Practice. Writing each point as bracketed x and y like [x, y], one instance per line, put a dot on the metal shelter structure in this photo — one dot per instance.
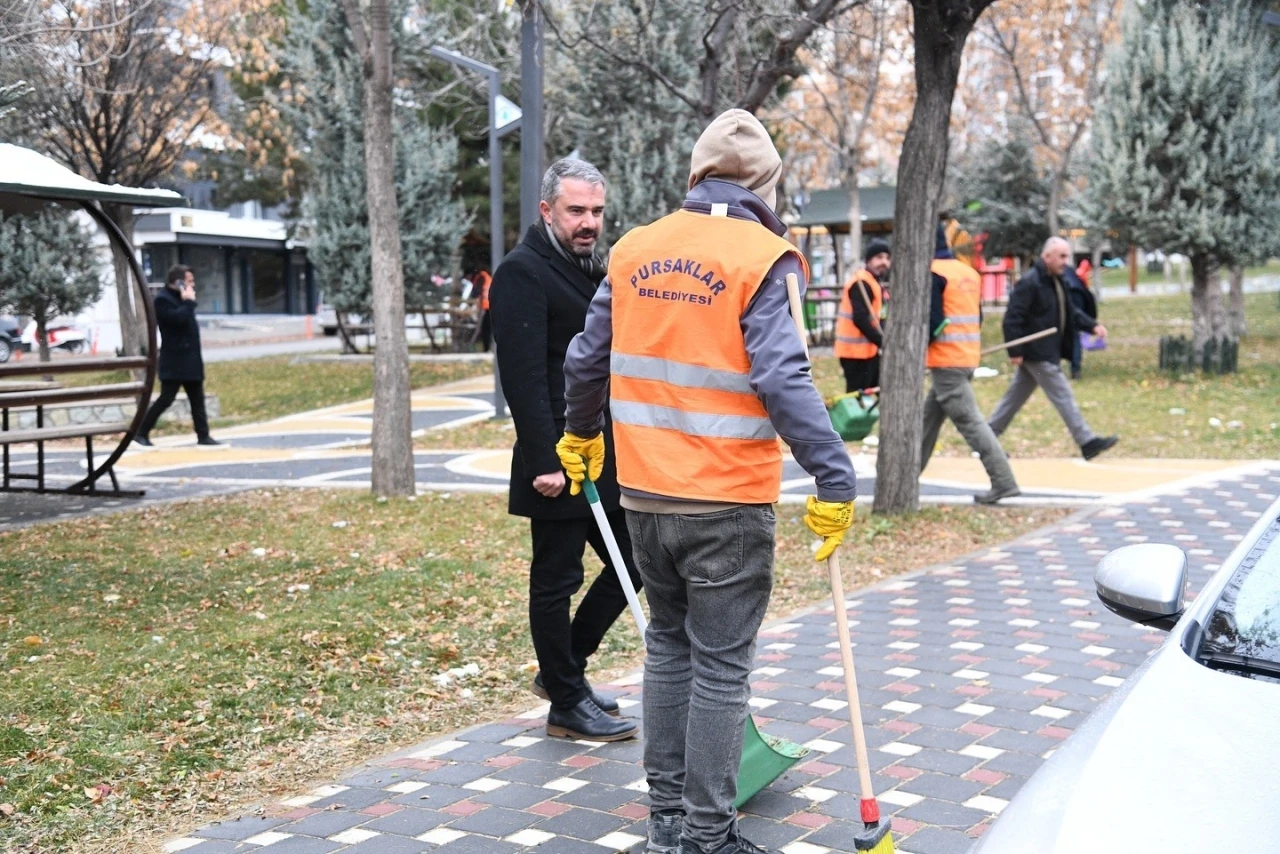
[29, 181]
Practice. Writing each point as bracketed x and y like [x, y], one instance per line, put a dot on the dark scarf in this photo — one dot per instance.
[592, 265]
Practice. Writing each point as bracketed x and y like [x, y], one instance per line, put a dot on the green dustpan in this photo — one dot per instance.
[765, 758]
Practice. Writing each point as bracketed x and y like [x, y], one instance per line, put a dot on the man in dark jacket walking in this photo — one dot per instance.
[181, 365]
[1039, 301]
[538, 302]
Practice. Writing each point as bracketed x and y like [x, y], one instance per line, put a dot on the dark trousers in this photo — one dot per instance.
[563, 645]
[861, 373]
[168, 392]
[486, 331]
[1077, 356]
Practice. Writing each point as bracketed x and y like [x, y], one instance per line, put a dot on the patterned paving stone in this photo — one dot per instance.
[969, 673]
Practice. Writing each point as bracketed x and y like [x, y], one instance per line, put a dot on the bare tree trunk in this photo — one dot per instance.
[1055, 201]
[921, 172]
[1208, 315]
[131, 333]
[855, 222]
[1235, 306]
[42, 338]
[393, 472]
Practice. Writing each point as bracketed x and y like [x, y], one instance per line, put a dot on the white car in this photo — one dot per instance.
[1184, 758]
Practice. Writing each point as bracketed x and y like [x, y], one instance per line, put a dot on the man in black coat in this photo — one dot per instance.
[538, 302]
[1039, 301]
[181, 365]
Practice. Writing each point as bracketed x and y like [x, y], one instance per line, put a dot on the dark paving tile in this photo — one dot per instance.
[409, 822]
[237, 829]
[385, 845]
[326, 823]
[935, 840]
[497, 821]
[297, 845]
[583, 824]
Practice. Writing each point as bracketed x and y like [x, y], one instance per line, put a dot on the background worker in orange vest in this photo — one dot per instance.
[481, 279]
[858, 322]
[690, 343]
[955, 339]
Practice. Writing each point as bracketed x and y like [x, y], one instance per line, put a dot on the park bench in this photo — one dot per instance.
[25, 397]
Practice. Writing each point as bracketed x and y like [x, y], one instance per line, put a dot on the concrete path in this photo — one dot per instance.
[971, 674]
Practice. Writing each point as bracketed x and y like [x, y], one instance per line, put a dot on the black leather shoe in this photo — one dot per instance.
[208, 440]
[141, 439]
[586, 721]
[995, 494]
[1097, 445]
[608, 705]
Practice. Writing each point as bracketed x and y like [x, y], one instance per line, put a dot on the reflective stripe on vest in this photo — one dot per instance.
[686, 422]
[960, 341]
[678, 373]
[693, 423]
[850, 342]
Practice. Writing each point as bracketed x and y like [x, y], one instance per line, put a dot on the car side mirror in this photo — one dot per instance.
[1145, 583]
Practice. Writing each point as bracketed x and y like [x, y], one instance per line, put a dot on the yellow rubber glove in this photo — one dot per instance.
[829, 520]
[572, 451]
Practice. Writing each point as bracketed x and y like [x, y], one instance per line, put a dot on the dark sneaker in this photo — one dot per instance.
[608, 705]
[141, 439]
[997, 493]
[735, 844]
[208, 440]
[1097, 445]
[664, 832]
[585, 721]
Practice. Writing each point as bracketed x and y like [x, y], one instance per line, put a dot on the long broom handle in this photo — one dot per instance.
[615, 554]
[869, 809]
[850, 678]
[1034, 336]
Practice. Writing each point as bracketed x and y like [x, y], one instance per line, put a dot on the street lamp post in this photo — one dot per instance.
[531, 104]
[497, 243]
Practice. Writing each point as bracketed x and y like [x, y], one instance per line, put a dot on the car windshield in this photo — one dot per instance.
[1243, 632]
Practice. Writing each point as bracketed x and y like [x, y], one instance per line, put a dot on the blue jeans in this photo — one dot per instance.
[708, 578]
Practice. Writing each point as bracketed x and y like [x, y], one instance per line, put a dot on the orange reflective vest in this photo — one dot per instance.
[686, 422]
[850, 342]
[483, 279]
[961, 339]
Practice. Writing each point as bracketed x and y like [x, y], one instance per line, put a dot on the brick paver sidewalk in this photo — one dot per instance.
[970, 675]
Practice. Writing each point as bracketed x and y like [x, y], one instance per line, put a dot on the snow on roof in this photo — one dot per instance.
[27, 173]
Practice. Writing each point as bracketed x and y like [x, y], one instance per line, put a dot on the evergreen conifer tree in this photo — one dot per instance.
[325, 76]
[1185, 154]
[48, 268]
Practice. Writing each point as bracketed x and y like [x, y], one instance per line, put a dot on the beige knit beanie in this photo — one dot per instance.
[736, 148]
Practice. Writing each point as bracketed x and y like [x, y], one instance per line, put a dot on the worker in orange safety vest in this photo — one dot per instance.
[955, 342]
[859, 321]
[690, 343]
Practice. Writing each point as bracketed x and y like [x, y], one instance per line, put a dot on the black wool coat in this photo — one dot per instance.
[538, 301]
[180, 357]
[1033, 306]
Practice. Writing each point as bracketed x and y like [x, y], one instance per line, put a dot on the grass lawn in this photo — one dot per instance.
[167, 667]
[1120, 276]
[261, 389]
[1122, 391]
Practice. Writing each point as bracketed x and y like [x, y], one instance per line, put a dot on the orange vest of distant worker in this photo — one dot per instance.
[850, 342]
[686, 422]
[961, 339]
[483, 279]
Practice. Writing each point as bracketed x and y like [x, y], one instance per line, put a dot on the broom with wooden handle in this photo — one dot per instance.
[874, 836]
